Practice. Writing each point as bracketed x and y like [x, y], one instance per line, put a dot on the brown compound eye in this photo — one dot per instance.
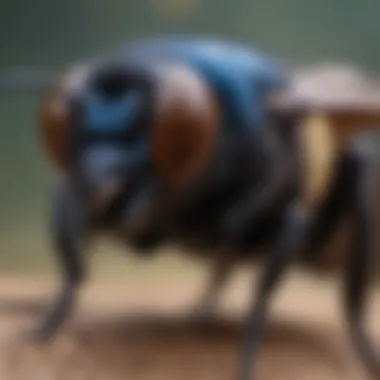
[54, 117]
[186, 122]
[55, 128]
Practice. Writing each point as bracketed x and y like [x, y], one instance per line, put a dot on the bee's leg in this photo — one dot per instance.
[220, 271]
[361, 259]
[68, 226]
[141, 222]
[285, 250]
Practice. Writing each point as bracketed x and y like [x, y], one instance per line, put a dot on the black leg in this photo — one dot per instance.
[361, 260]
[218, 276]
[141, 221]
[68, 226]
[287, 245]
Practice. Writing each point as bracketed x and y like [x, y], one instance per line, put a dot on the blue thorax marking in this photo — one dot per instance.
[241, 75]
[110, 114]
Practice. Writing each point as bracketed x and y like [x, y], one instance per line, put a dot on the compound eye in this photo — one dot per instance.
[55, 128]
[54, 116]
[185, 127]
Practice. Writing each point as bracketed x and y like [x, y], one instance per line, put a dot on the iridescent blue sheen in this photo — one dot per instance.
[109, 114]
[240, 75]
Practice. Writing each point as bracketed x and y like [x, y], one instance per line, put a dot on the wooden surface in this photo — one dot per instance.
[140, 330]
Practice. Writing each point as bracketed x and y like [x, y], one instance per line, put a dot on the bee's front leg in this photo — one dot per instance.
[68, 228]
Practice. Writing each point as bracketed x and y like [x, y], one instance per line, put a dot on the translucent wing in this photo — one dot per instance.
[347, 95]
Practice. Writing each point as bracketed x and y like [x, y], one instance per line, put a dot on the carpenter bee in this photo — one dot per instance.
[211, 145]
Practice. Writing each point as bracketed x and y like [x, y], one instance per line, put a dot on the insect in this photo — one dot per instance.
[211, 145]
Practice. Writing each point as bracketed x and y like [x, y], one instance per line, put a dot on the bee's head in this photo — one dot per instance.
[96, 129]
[118, 126]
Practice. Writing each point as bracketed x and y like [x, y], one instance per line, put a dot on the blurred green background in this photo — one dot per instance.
[53, 33]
